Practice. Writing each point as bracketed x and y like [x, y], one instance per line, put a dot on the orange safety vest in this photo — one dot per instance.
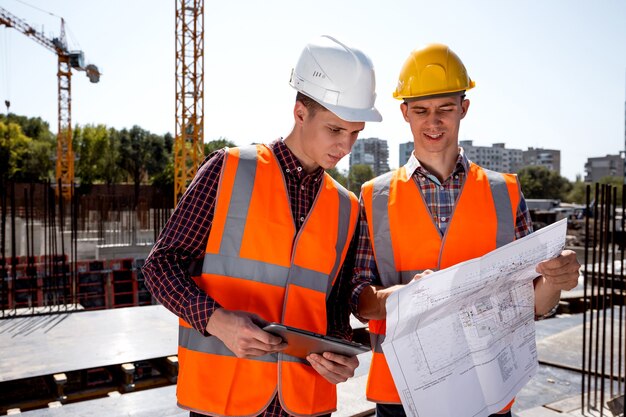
[406, 240]
[256, 262]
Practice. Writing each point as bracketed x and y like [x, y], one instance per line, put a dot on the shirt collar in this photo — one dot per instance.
[413, 165]
[290, 164]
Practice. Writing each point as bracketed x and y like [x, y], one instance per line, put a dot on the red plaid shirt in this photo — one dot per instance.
[184, 238]
[440, 199]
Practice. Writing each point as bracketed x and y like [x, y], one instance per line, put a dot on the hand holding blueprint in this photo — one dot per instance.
[461, 341]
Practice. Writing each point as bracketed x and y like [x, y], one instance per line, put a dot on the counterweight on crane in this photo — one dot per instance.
[188, 145]
[67, 60]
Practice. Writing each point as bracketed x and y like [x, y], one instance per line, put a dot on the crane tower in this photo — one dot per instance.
[188, 144]
[67, 60]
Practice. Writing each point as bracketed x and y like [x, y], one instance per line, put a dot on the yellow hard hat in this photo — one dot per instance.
[432, 70]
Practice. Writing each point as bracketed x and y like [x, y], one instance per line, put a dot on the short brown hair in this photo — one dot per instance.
[311, 105]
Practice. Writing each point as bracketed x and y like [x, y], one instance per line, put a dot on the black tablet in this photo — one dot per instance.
[302, 342]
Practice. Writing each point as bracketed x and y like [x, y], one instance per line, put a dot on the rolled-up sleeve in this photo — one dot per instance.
[365, 271]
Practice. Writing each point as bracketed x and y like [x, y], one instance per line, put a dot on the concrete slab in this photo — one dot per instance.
[44, 345]
[538, 412]
[564, 349]
[149, 403]
[351, 400]
[162, 402]
[547, 386]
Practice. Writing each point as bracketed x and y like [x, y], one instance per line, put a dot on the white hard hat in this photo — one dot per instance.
[339, 78]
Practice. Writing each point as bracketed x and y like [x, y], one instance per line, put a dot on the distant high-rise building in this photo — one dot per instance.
[495, 157]
[405, 152]
[604, 166]
[373, 152]
[549, 158]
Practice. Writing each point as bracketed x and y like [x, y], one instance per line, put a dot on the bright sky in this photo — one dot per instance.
[548, 74]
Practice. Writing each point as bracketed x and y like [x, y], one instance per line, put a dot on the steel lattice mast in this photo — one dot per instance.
[189, 141]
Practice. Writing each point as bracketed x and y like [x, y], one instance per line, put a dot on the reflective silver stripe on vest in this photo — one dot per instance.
[382, 231]
[245, 268]
[239, 202]
[343, 230]
[306, 278]
[504, 212]
[288, 358]
[407, 276]
[191, 339]
[264, 272]
[376, 341]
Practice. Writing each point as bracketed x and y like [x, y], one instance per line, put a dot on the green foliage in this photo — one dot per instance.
[164, 180]
[104, 155]
[617, 182]
[578, 191]
[168, 140]
[110, 173]
[540, 182]
[94, 150]
[358, 175]
[21, 157]
[142, 154]
[32, 127]
[217, 144]
[339, 176]
[577, 194]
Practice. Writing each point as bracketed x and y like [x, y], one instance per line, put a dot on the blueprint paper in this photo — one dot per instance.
[461, 341]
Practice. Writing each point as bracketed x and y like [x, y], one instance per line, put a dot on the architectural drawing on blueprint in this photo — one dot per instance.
[467, 332]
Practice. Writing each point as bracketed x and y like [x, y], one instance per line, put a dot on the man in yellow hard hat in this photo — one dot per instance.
[269, 231]
[436, 211]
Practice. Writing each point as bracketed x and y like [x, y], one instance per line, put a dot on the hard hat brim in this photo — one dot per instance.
[354, 115]
[431, 96]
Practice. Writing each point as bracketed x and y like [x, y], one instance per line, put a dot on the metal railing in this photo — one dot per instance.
[604, 350]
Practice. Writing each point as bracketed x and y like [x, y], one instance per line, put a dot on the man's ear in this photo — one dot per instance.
[404, 108]
[464, 107]
[299, 112]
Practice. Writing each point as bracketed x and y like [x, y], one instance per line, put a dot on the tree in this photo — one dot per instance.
[578, 192]
[214, 145]
[142, 154]
[617, 182]
[540, 182]
[164, 180]
[340, 177]
[92, 146]
[357, 175]
[34, 128]
[111, 173]
[21, 157]
[168, 139]
[37, 165]
[5, 151]
[158, 156]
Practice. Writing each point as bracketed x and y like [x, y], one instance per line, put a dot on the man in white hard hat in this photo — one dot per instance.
[272, 231]
[434, 212]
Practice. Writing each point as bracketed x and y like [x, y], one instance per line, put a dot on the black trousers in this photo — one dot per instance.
[396, 410]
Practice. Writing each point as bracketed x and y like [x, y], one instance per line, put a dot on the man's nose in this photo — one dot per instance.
[433, 119]
[345, 143]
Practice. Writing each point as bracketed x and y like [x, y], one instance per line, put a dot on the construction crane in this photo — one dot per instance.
[67, 60]
[189, 141]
